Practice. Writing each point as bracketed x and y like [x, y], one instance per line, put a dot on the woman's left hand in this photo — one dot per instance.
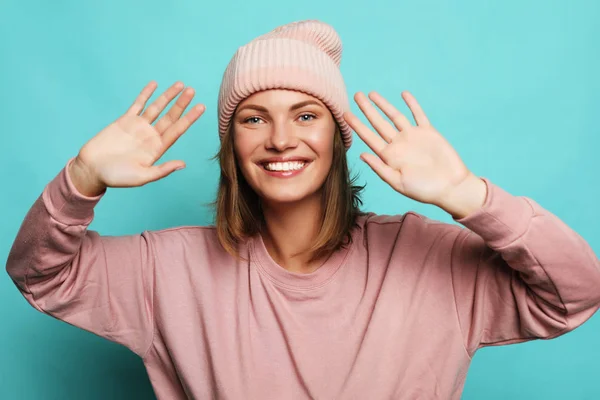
[416, 160]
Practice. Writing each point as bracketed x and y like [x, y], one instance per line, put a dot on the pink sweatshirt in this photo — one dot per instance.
[399, 314]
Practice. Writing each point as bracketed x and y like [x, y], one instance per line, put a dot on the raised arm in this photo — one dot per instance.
[103, 284]
[520, 273]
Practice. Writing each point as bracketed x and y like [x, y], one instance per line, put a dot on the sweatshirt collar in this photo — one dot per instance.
[295, 280]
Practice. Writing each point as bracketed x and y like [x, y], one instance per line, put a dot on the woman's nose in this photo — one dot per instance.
[282, 137]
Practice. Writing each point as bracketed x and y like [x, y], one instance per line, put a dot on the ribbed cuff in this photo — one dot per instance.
[65, 203]
[502, 219]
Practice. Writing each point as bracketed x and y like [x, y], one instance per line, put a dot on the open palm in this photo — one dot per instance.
[123, 154]
[415, 160]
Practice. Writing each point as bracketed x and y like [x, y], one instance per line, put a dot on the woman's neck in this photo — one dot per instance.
[291, 229]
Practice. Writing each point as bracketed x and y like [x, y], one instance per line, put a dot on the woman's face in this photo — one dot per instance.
[283, 141]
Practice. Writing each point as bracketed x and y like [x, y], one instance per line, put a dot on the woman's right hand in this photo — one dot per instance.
[123, 154]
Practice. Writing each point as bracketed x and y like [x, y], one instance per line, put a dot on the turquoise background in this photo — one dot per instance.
[513, 85]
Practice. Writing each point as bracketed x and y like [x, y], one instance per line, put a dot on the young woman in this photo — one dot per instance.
[295, 293]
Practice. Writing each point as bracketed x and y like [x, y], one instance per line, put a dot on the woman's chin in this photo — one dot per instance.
[286, 197]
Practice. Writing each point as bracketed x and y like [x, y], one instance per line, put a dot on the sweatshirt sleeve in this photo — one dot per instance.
[102, 284]
[519, 273]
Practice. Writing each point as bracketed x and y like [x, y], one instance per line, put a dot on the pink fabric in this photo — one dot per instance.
[303, 56]
[398, 314]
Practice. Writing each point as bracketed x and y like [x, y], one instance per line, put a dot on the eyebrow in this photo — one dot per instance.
[292, 108]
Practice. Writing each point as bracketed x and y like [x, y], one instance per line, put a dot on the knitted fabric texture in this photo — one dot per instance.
[303, 56]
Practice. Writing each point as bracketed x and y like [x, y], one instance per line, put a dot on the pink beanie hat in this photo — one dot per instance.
[303, 56]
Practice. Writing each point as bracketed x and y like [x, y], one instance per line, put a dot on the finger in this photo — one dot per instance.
[140, 102]
[397, 118]
[388, 174]
[374, 141]
[176, 110]
[381, 125]
[157, 172]
[154, 109]
[178, 128]
[416, 110]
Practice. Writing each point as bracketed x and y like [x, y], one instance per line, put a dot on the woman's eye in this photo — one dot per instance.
[252, 120]
[307, 117]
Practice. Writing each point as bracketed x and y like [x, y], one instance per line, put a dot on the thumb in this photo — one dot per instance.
[157, 172]
[385, 172]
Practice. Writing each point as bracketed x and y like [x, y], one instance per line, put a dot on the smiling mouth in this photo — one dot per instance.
[284, 166]
[284, 169]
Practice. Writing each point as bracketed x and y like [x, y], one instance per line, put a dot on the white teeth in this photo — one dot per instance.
[286, 166]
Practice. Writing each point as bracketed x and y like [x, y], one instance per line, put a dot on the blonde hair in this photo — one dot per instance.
[238, 212]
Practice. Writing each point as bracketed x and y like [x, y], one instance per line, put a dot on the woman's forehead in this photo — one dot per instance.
[278, 99]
